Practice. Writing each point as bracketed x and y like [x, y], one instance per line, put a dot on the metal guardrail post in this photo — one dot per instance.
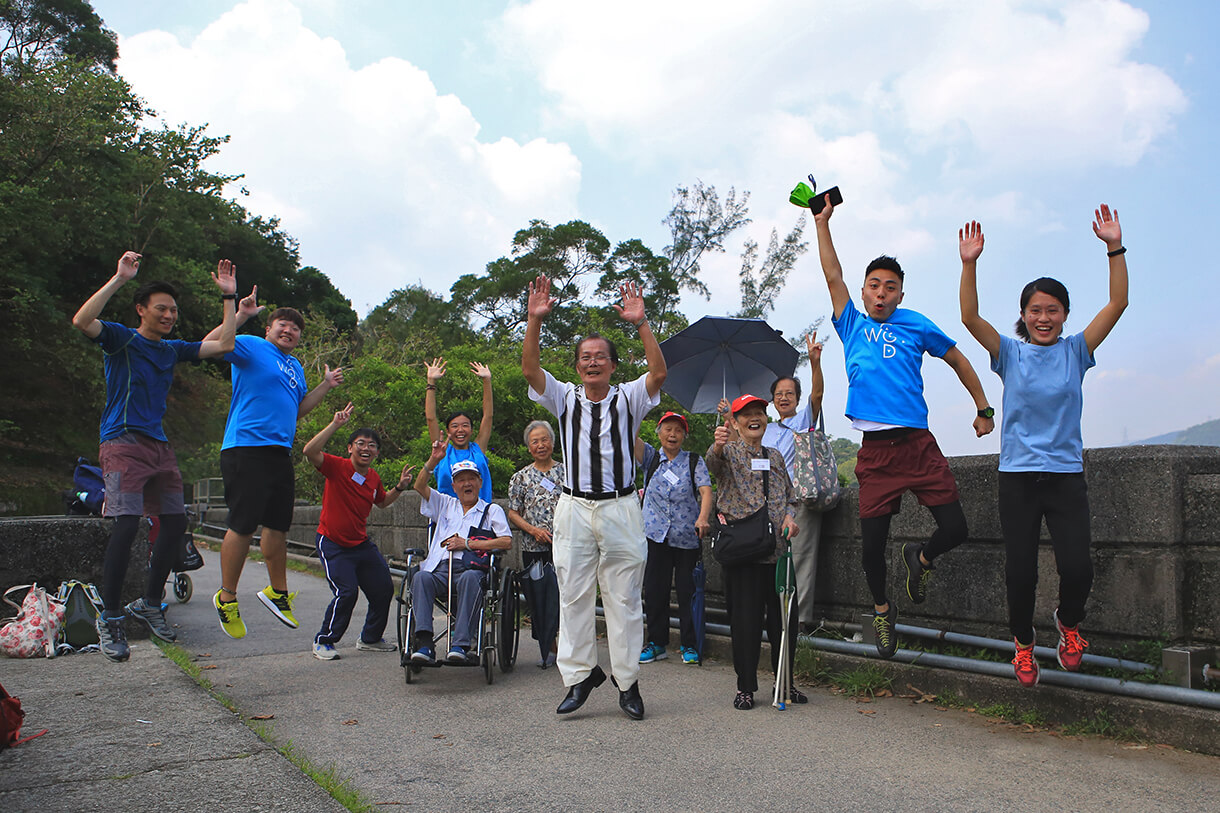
[1185, 664]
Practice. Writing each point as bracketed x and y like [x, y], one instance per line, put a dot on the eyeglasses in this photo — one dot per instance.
[586, 358]
[365, 444]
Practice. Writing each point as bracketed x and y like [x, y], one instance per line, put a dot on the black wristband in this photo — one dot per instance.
[1117, 251]
[228, 296]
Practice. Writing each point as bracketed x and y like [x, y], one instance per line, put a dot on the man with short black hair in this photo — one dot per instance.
[598, 536]
[138, 466]
[269, 397]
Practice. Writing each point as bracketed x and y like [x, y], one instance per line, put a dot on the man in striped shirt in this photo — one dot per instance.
[598, 536]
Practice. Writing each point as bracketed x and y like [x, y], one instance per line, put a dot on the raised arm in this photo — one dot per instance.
[315, 448]
[632, 311]
[425, 473]
[970, 246]
[839, 295]
[1108, 230]
[434, 371]
[539, 306]
[225, 277]
[392, 493]
[970, 380]
[817, 381]
[247, 309]
[330, 380]
[483, 372]
[86, 319]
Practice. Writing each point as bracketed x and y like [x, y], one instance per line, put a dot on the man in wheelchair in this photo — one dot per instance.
[468, 529]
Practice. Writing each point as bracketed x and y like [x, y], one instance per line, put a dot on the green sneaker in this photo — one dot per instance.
[280, 605]
[230, 617]
[883, 630]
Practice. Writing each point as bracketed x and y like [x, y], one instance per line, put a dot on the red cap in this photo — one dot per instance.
[674, 416]
[745, 400]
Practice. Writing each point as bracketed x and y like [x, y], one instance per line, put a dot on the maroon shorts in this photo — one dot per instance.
[141, 477]
[888, 468]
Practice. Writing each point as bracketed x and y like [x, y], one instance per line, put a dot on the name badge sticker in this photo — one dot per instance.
[671, 477]
[548, 483]
[358, 478]
[760, 464]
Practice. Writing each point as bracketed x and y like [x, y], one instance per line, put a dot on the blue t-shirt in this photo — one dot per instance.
[883, 359]
[268, 387]
[444, 479]
[1040, 426]
[138, 373]
[670, 505]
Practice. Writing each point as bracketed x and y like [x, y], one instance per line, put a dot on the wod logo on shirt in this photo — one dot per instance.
[291, 371]
[882, 333]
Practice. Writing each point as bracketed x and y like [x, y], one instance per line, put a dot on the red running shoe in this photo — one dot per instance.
[1025, 664]
[1071, 645]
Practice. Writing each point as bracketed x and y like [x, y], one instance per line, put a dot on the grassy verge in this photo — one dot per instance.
[328, 778]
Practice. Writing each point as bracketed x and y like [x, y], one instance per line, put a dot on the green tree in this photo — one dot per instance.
[761, 283]
[38, 33]
[700, 224]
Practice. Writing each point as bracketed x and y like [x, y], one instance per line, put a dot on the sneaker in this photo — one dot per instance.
[153, 618]
[795, 695]
[280, 604]
[653, 652]
[690, 655]
[325, 652]
[457, 654]
[376, 646]
[230, 617]
[424, 654]
[883, 630]
[1071, 645]
[112, 638]
[918, 574]
[744, 701]
[1025, 665]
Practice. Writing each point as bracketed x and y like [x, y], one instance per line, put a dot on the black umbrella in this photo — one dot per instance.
[723, 357]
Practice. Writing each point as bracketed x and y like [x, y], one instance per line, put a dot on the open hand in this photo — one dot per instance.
[970, 241]
[225, 277]
[632, 309]
[436, 370]
[540, 301]
[481, 370]
[1106, 227]
[333, 378]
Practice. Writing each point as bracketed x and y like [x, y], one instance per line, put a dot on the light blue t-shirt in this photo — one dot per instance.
[1040, 424]
[884, 361]
[444, 479]
[670, 505]
[138, 373]
[268, 387]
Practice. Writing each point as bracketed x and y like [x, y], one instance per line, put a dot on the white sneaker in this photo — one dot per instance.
[325, 652]
[376, 646]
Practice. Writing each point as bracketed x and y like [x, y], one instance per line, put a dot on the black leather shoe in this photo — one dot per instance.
[630, 701]
[578, 694]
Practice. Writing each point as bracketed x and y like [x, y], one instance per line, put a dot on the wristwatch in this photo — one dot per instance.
[987, 412]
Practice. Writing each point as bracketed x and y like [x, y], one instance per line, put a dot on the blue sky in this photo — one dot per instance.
[405, 142]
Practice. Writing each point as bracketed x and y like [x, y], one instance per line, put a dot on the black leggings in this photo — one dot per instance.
[118, 554]
[753, 604]
[1063, 499]
[950, 532]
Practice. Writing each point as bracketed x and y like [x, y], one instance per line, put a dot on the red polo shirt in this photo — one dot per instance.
[346, 501]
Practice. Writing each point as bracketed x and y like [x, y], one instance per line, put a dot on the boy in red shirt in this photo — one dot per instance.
[349, 558]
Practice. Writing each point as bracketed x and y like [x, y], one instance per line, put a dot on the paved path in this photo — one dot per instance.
[451, 742]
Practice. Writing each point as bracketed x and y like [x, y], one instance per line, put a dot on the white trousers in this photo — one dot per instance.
[600, 543]
[805, 558]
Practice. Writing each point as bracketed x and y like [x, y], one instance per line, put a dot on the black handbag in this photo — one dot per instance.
[746, 540]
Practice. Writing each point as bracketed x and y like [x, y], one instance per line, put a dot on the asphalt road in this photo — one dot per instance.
[452, 742]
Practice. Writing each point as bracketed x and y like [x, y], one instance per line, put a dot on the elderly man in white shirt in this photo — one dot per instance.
[467, 528]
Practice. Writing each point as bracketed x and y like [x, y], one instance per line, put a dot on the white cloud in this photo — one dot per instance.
[382, 179]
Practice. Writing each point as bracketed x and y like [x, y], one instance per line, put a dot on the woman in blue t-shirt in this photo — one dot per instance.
[1041, 453]
[459, 428]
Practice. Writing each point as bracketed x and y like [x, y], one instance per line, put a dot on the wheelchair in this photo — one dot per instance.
[497, 623]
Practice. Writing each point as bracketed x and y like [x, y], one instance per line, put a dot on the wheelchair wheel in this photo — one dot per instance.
[489, 627]
[510, 621]
[406, 629]
[183, 587]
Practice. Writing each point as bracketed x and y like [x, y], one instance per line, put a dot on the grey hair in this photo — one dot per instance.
[534, 425]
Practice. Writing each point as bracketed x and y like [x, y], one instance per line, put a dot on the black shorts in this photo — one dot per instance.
[260, 487]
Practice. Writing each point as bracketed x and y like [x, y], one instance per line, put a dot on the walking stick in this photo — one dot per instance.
[785, 587]
[449, 603]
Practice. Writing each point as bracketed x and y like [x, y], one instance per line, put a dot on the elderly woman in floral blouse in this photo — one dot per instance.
[532, 494]
[738, 466]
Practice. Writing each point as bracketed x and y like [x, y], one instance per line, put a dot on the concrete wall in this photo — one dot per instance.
[1156, 550]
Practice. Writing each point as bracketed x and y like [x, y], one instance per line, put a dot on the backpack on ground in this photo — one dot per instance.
[88, 490]
[11, 716]
[82, 606]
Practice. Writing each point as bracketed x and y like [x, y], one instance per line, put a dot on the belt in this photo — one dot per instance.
[599, 495]
[889, 434]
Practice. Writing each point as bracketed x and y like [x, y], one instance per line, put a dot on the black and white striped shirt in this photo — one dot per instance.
[598, 437]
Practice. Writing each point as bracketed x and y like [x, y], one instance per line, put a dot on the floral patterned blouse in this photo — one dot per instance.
[533, 494]
[739, 487]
